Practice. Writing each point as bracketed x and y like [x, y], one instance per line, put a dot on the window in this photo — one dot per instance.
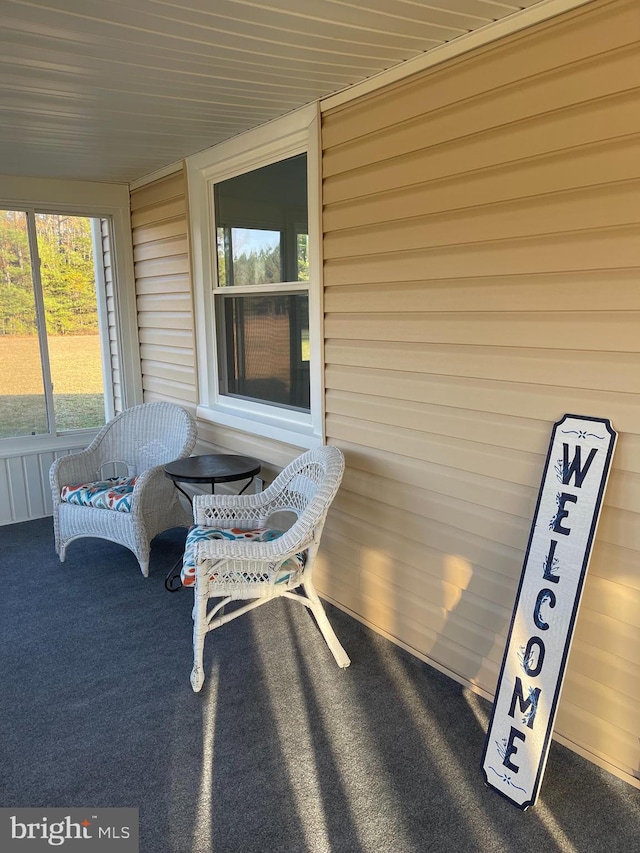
[51, 352]
[261, 239]
[254, 209]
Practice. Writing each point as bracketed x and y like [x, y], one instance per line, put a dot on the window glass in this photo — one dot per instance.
[303, 256]
[67, 271]
[266, 354]
[261, 225]
[23, 409]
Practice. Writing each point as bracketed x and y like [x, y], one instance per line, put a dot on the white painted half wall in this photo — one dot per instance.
[24, 484]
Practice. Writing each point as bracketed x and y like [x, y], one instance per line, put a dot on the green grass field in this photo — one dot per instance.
[77, 384]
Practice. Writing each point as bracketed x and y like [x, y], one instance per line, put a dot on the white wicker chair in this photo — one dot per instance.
[139, 442]
[256, 569]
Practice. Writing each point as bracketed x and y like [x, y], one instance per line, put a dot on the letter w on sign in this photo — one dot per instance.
[555, 566]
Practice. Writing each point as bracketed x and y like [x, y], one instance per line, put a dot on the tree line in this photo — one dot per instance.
[67, 273]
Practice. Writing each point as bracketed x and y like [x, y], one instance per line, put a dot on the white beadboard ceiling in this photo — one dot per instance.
[112, 90]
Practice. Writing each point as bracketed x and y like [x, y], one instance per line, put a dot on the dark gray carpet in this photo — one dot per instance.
[282, 750]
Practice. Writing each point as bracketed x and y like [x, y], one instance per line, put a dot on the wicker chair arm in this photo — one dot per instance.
[81, 467]
[151, 490]
[151, 477]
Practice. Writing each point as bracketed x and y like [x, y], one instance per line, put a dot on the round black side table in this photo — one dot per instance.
[207, 470]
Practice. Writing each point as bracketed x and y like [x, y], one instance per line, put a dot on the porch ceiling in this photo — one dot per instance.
[112, 90]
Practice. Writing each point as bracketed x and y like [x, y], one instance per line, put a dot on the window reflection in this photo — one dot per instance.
[248, 256]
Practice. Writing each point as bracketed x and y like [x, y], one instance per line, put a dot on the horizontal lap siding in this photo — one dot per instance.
[482, 268]
[163, 291]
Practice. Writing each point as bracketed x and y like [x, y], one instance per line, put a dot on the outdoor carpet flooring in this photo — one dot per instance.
[281, 752]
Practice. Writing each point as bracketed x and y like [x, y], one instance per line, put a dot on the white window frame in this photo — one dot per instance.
[296, 133]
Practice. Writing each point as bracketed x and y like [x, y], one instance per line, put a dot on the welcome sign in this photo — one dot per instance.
[547, 602]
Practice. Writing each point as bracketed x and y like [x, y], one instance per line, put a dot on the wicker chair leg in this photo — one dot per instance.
[197, 678]
[144, 565]
[341, 657]
[200, 629]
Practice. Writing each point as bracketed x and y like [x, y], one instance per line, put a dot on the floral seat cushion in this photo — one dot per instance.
[260, 534]
[105, 494]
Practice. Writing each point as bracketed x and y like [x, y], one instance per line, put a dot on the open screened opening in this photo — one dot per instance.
[52, 328]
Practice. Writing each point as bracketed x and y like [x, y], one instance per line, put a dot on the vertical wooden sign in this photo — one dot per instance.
[555, 566]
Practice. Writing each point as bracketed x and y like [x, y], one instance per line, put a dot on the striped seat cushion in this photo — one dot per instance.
[105, 494]
[260, 534]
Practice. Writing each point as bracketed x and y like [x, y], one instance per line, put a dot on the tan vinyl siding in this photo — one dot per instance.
[482, 268]
[163, 291]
